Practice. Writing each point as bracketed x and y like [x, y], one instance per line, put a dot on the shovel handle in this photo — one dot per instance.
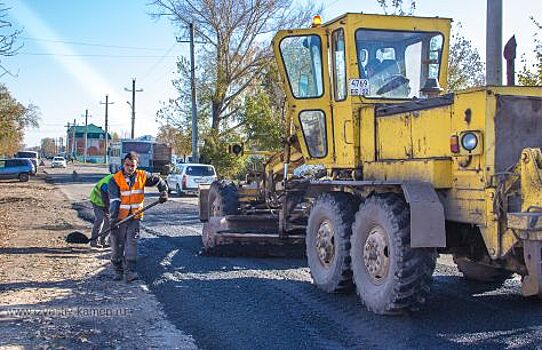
[131, 216]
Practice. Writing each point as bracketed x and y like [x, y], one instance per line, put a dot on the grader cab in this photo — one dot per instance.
[381, 170]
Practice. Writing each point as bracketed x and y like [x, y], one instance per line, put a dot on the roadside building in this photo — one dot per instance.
[95, 142]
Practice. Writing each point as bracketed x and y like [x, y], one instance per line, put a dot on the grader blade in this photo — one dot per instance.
[249, 235]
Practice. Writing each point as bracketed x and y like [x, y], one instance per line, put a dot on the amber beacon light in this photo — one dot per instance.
[316, 21]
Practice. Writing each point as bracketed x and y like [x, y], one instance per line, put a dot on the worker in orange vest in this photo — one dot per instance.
[126, 193]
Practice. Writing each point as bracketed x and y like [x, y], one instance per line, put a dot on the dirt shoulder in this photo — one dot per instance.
[59, 296]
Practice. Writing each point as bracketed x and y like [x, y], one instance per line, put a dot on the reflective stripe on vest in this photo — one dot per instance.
[96, 194]
[131, 199]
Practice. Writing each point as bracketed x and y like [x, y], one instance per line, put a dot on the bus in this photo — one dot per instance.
[153, 156]
[33, 156]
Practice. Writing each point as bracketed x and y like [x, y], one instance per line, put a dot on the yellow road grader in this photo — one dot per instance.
[381, 170]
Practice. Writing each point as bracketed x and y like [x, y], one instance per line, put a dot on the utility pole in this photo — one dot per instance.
[133, 90]
[67, 138]
[73, 138]
[195, 134]
[107, 103]
[86, 136]
[195, 153]
[494, 42]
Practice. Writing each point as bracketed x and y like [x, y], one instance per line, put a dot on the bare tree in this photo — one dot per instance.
[236, 33]
[397, 6]
[8, 37]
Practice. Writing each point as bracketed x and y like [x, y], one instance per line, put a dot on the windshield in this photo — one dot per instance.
[139, 147]
[200, 170]
[27, 154]
[58, 158]
[302, 57]
[397, 64]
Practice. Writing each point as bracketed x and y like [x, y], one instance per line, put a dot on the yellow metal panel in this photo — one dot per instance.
[367, 133]
[431, 132]
[531, 179]
[435, 171]
[344, 131]
[466, 206]
[393, 137]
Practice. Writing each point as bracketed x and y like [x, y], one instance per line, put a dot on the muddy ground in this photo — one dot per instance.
[54, 295]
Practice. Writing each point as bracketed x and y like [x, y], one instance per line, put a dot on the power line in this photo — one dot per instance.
[90, 55]
[153, 67]
[330, 4]
[92, 44]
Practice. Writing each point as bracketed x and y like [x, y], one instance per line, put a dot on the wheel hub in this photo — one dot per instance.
[325, 243]
[376, 254]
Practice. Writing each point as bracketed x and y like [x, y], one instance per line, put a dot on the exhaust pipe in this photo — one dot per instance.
[510, 56]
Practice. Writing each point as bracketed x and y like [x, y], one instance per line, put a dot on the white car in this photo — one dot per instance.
[185, 178]
[58, 162]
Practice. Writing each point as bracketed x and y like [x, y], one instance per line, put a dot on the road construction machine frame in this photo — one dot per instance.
[381, 169]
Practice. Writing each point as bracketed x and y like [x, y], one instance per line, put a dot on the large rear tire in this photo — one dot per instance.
[328, 241]
[478, 272]
[223, 198]
[390, 276]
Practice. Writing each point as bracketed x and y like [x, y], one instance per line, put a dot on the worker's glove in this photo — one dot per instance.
[163, 197]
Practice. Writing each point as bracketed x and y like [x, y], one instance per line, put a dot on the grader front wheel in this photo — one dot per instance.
[390, 276]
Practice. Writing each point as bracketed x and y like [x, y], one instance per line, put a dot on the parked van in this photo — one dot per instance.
[16, 168]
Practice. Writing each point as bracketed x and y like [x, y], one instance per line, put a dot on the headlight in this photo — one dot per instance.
[469, 141]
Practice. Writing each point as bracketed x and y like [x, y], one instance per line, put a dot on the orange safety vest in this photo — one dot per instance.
[131, 199]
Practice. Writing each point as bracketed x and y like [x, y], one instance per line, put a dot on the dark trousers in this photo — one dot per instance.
[101, 223]
[124, 245]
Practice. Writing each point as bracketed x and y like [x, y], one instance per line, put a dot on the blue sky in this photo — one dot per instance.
[75, 52]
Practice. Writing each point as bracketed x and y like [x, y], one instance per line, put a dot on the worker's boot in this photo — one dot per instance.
[131, 274]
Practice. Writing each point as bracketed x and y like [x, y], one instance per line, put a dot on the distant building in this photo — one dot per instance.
[95, 142]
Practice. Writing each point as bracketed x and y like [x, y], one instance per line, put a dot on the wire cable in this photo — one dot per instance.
[90, 55]
[92, 44]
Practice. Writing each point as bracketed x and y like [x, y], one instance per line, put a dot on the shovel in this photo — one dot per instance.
[79, 237]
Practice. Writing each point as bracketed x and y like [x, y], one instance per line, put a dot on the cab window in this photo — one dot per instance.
[313, 125]
[397, 64]
[339, 65]
[302, 57]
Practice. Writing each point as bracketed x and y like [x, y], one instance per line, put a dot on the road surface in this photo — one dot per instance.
[251, 303]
